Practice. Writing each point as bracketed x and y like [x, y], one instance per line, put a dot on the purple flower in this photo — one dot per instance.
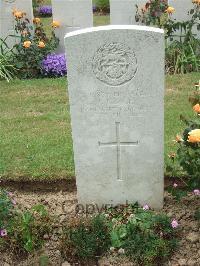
[45, 10]
[94, 8]
[54, 65]
[174, 223]
[3, 232]
[145, 207]
[196, 192]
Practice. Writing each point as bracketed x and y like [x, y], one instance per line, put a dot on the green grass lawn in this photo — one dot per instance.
[35, 133]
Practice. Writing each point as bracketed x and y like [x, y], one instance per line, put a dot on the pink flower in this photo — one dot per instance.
[3, 232]
[196, 192]
[10, 194]
[13, 201]
[175, 185]
[174, 223]
[145, 207]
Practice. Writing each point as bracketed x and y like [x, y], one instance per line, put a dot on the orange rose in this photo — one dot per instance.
[41, 44]
[170, 10]
[55, 24]
[196, 108]
[178, 138]
[196, 2]
[27, 44]
[194, 136]
[36, 20]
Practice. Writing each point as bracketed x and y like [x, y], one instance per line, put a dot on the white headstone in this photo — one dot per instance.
[116, 84]
[7, 22]
[72, 15]
[122, 12]
[182, 8]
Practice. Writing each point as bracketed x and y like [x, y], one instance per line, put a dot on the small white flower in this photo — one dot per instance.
[112, 249]
[121, 251]
[132, 215]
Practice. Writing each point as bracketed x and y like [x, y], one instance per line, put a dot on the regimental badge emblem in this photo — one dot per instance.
[115, 64]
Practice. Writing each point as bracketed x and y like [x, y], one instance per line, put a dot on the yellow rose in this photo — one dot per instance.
[41, 44]
[27, 44]
[170, 10]
[194, 136]
[36, 20]
[18, 14]
[196, 108]
[55, 24]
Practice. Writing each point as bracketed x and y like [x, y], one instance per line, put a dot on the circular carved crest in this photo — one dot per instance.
[114, 64]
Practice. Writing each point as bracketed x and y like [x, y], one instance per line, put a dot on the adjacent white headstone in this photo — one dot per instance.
[6, 18]
[116, 84]
[122, 12]
[72, 15]
[182, 8]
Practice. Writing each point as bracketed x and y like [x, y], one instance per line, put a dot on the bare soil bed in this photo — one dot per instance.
[63, 204]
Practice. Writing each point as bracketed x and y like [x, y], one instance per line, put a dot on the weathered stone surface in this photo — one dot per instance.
[72, 15]
[122, 12]
[60, 33]
[7, 23]
[116, 84]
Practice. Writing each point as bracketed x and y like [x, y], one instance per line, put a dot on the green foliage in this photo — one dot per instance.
[86, 240]
[183, 57]
[188, 155]
[182, 46]
[29, 227]
[153, 13]
[102, 5]
[188, 152]
[177, 193]
[7, 69]
[147, 238]
[37, 3]
[183, 52]
[6, 209]
[24, 229]
[28, 58]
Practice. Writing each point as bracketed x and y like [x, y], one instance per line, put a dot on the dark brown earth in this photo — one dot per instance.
[63, 204]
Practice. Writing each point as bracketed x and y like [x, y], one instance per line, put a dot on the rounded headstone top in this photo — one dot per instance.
[9, 1]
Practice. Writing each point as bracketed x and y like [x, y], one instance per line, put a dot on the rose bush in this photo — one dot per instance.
[188, 153]
[33, 45]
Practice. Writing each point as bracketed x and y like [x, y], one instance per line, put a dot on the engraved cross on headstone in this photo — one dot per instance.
[118, 144]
